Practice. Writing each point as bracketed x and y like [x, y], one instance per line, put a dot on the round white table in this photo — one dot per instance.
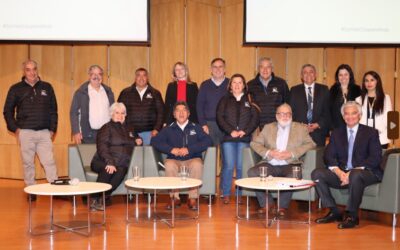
[274, 184]
[161, 183]
[83, 188]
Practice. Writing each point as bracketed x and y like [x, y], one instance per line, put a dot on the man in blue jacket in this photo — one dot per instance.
[183, 142]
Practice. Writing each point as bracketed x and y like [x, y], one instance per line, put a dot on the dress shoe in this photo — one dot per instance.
[271, 209]
[33, 197]
[226, 200]
[281, 213]
[330, 217]
[177, 204]
[192, 204]
[349, 222]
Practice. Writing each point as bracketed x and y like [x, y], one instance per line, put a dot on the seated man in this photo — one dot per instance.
[352, 158]
[183, 142]
[280, 144]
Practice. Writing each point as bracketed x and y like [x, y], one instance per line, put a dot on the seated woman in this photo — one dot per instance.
[114, 150]
[238, 117]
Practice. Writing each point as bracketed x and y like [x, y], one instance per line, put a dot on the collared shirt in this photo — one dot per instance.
[217, 83]
[141, 92]
[239, 97]
[306, 86]
[182, 126]
[98, 107]
[282, 138]
[265, 82]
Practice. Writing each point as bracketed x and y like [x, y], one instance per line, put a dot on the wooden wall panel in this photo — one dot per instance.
[381, 60]
[278, 56]
[297, 57]
[239, 59]
[11, 58]
[167, 40]
[83, 56]
[202, 37]
[124, 60]
[333, 58]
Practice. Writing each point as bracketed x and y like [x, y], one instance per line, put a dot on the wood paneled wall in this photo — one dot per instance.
[192, 31]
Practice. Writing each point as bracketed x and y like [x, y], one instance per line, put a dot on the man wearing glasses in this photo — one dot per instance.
[280, 144]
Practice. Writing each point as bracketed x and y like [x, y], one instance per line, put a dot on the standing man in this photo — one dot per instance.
[268, 91]
[30, 112]
[144, 107]
[210, 93]
[353, 158]
[310, 104]
[280, 144]
[90, 107]
[183, 142]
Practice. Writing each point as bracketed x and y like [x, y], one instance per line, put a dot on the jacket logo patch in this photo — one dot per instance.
[131, 134]
[149, 95]
[192, 132]
[275, 90]
[247, 104]
[43, 92]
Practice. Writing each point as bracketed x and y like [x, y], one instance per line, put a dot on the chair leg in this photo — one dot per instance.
[394, 221]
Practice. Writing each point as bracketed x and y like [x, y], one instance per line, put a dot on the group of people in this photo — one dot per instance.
[279, 124]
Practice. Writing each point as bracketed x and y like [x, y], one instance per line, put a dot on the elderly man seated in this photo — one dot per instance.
[183, 142]
[280, 144]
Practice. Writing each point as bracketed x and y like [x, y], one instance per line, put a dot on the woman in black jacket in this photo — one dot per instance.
[345, 89]
[181, 89]
[114, 150]
[238, 118]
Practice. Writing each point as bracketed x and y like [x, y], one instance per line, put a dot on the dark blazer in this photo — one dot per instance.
[321, 114]
[367, 151]
[336, 101]
[170, 99]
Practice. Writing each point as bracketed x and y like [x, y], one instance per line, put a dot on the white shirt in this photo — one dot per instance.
[282, 138]
[99, 105]
[141, 92]
[239, 97]
[217, 83]
[306, 86]
[183, 125]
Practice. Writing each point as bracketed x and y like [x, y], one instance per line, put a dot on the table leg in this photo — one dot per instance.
[237, 202]
[137, 206]
[266, 208]
[30, 213]
[104, 206]
[173, 212]
[309, 206]
[74, 204]
[51, 215]
[127, 205]
[88, 212]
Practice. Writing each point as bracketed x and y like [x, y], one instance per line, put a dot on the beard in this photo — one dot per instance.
[285, 123]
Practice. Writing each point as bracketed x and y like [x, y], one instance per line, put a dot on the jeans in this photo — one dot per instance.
[232, 156]
[146, 137]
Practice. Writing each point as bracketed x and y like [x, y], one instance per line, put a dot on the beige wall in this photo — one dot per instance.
[193, 31]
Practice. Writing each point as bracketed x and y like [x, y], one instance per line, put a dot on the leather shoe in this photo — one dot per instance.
[192, 204]
[177, 204]
[349, 222]
[330, 217]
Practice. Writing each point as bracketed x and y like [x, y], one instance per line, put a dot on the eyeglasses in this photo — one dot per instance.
[284, 114]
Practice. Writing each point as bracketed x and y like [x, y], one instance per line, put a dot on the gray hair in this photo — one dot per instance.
[351, 104]
[29, 61]
[284, 105]
[267, 59]
[308, 65]
[117, 105]
[95, 66]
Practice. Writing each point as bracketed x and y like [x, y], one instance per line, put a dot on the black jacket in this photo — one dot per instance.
[28, 107]
[146, 114]
[336, 101]
[268, 99]
[114, 145]
[237, 115]
[170, 99]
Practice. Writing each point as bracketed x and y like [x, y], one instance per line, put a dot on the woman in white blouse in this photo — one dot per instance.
[375, 105]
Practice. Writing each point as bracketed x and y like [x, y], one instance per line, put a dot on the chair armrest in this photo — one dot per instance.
[390, 187]
[150, 161]
[250, 159]
[313, 159]
[75, 165]
[136, 160]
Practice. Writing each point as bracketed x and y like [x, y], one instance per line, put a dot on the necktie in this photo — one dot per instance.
[350, 152]
[309, 105]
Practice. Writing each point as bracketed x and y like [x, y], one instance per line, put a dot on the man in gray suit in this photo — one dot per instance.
[280, 144]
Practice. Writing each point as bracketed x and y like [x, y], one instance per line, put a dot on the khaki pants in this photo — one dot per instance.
[195, 169]
[32, 142]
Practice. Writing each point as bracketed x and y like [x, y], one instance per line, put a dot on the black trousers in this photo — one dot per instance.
[358, 180]
[277, 171]
[114, 179]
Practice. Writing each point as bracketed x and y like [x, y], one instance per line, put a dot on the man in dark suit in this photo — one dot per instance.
[310, 104]
[352, 157]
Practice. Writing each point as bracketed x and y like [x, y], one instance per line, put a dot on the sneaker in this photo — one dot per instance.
[97, 205]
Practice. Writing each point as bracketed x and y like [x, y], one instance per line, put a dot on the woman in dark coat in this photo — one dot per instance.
[345, 89]
[114, 150]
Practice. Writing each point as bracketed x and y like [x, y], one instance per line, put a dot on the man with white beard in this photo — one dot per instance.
[280, 144]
